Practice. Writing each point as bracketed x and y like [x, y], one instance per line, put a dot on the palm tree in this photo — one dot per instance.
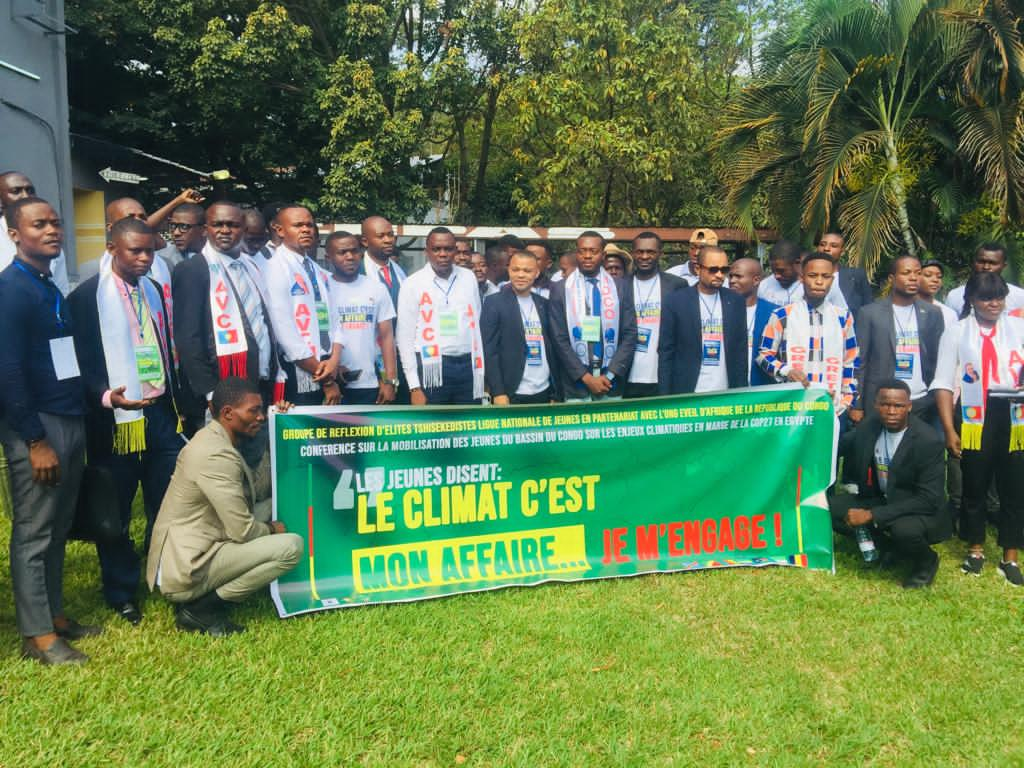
[990, 91]
[835, 126]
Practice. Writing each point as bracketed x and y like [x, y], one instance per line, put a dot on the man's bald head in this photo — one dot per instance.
[378, 238]
[744, 277]
[124, 208]
[749, 265]
[14, 185]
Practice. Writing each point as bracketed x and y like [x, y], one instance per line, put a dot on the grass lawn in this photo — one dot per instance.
[771, 667]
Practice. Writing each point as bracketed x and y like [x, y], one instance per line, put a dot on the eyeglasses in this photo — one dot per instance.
[180, 226]
[717, 270]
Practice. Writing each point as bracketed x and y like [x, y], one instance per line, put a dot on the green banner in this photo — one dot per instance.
[401, 504]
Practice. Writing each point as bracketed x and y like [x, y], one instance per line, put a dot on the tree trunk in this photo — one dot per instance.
[479, 186]
[900, 193]
[606, 203]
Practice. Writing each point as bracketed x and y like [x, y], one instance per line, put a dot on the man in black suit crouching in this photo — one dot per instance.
[520, 364]
[899, 466]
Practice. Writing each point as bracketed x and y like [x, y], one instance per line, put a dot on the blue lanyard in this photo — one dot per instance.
[312, 278]
[44, 284]
[451, 284]
[711, 309]
[902, 332]
[137, 308]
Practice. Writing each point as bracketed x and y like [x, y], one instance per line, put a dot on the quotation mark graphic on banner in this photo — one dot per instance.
[372, 482]
[344, 496]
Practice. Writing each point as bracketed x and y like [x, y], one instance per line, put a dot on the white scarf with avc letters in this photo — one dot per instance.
[576, 288]
[428, 330]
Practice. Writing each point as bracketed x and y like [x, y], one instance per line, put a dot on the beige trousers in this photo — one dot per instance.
[239, 570]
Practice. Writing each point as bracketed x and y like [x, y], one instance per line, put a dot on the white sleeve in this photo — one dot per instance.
[955, 300]
[59, 270]
[385, 310]
[946, 364]
[405, 340]
[278, 281]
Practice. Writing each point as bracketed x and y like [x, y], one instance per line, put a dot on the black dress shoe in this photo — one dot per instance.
[76, 631]
[923, 574]
[218, 626]
[129, 612]
[61, 652]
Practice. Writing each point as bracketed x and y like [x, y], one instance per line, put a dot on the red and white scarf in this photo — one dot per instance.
[228, 329]
[989, 360]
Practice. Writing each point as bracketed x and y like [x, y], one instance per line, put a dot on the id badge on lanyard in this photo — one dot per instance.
[591, 328]
[449, 324]
[643, 338]
[712, 352]
[149, 363]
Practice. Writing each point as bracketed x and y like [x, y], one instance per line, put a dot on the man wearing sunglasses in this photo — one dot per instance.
[703, 332]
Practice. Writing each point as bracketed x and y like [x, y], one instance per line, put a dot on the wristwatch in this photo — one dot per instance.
[392, 382]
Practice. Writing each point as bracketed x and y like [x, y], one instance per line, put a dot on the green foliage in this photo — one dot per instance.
[559, 111]
[614, 113]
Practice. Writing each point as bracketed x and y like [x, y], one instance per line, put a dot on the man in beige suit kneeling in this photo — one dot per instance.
[212, 544]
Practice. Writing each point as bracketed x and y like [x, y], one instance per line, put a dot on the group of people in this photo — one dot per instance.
[195, 337]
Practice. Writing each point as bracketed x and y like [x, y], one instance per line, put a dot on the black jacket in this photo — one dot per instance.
[193, 334]
[92, 363]
[501, 325]
[681, 348]
[570, 368]
[917, 475]
[876, 337]
[669, 284]
[854, 285]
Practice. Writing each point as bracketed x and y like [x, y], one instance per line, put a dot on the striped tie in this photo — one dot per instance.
[250, 303]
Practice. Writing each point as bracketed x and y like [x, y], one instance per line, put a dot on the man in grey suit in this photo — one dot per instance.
[212, 544]
[899, 338]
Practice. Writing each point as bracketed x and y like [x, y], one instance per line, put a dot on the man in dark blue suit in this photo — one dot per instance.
[851, 283]
[520, 363]
[744, 278]
[703, 333]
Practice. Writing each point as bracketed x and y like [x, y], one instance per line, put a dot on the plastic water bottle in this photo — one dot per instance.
[866, 544]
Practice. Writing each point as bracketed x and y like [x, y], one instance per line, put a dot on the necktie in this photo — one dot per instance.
[989, 361]
[390, 279]
[595, 310]
[250, 303]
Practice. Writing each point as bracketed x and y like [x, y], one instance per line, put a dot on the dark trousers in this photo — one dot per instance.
[457, 382]
[640, 390]
[42, 517]
[908, 536]
[541, 398]
[363, 396]
[119, 562]
[979, 467]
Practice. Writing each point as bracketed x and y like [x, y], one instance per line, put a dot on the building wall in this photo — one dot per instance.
[34, 104]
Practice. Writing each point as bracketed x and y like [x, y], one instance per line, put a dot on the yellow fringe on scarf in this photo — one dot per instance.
[970, 437]
[1017, 437]
[130, 437]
